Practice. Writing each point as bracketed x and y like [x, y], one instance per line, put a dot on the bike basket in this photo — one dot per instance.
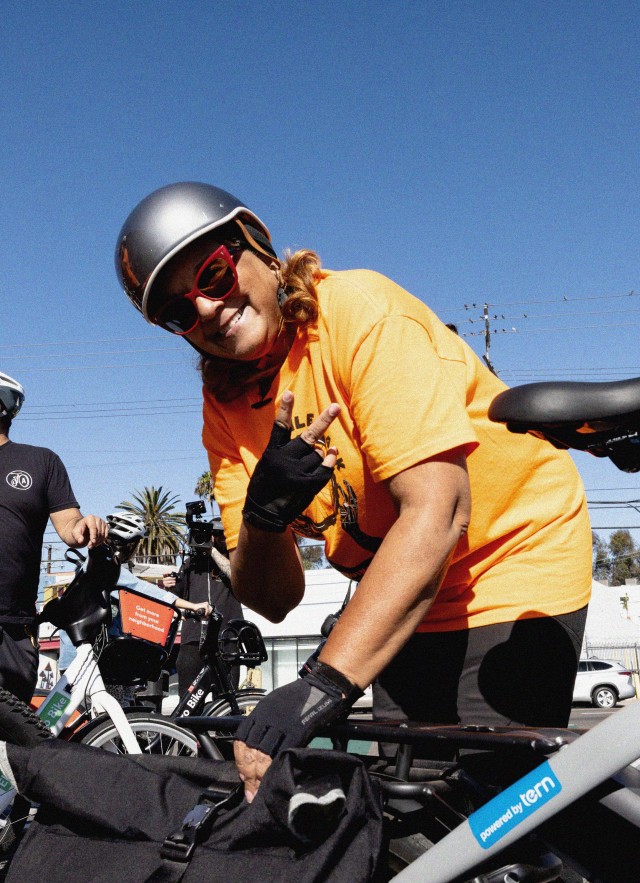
[144, 617]
[148, 631]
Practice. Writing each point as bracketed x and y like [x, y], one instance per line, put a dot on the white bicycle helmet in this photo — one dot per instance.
[169, 219]
[11, 396]
[126, 526]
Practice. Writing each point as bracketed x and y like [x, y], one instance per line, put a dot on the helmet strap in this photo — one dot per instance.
[257, 240]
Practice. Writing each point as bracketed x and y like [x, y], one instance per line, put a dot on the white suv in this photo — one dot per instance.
[603, 682]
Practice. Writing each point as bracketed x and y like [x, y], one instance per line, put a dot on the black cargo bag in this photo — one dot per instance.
[103, 817]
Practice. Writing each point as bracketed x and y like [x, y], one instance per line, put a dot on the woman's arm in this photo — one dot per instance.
[434, 506]
[266, 572]
[266, 569]
[222, 566]
[181, 604]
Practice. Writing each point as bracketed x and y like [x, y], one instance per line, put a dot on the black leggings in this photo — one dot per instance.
[513, 673]
[18, 661]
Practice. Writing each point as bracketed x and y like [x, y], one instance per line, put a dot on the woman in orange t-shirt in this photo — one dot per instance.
[338, 406]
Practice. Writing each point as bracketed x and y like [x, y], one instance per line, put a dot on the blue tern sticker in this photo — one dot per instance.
[495, 819]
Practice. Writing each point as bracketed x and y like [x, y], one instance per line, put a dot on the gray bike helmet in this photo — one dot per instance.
[166, 221]
[11, 396]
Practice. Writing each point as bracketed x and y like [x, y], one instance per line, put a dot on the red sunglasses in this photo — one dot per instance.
[217, 278]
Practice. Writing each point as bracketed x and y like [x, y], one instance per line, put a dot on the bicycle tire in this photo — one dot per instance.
[19, 725]
[222, 742]
[155, 735]
[247, 701]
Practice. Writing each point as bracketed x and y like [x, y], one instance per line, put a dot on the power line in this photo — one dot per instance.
[58, 343]
[137, 367]
[121, 402]
[553, 371]
[605, 490]
[101, 465]
[530, 316]
[563, 299]
[553, 330]
[79, 353]
[161, 412]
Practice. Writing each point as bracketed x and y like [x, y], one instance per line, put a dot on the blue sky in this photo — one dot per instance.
[471, 151]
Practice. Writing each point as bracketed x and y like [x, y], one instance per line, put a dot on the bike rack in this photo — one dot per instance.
[560, 780]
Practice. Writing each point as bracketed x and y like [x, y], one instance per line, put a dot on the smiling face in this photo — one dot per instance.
[245, 325]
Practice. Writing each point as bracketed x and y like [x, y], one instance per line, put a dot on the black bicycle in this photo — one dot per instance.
[222, 649]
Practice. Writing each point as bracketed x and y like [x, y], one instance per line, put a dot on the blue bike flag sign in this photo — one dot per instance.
[491, 822]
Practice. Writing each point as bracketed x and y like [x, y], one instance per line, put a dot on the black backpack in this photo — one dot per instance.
[153, 819]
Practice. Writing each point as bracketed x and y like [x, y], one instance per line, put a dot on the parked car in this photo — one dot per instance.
[603, 682]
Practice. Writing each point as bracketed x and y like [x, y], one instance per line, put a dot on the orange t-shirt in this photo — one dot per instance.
[410, 389]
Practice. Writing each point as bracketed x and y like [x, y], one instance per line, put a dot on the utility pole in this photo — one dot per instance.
[49, 550]
[487, 339]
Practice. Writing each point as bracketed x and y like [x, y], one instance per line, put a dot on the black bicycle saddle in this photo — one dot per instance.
[85, 604]
[601, 418]
[567, 402]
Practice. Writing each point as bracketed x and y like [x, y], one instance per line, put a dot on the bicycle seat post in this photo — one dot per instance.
[404, 759]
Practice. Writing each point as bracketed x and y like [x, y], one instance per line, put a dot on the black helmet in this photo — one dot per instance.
[166, 221]
[11, 396]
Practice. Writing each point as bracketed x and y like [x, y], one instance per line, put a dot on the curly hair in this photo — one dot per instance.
[227, 380]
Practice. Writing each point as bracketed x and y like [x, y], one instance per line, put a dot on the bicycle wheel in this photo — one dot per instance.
[154, 734]
[247, 701]
[222, 742]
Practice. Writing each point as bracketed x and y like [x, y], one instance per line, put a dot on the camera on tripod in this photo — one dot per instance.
[201, 531]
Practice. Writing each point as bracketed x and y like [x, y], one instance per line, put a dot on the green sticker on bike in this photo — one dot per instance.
[54, 708]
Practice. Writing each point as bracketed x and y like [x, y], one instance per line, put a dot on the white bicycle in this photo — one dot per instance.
[84, 611]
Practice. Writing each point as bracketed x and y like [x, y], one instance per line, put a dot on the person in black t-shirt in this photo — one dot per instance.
[204, 577]
[34, 487]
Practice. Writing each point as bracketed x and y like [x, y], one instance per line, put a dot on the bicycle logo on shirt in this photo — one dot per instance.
[19, 479]
[344, 509]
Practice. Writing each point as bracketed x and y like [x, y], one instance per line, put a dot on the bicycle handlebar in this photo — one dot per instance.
[198, 614]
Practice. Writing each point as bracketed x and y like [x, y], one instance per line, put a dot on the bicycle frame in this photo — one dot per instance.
[83, 610]
[81, 680]
[577, 768]
[575, 763]
[247, 648]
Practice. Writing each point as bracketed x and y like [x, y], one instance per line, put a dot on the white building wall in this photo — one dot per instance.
[608, 620]
[290, 642]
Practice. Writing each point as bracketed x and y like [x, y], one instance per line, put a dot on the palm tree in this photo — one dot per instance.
[204, 487]
[166, 527]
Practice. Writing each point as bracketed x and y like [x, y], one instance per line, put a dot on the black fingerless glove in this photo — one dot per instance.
[291, 715]
[286, 479]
